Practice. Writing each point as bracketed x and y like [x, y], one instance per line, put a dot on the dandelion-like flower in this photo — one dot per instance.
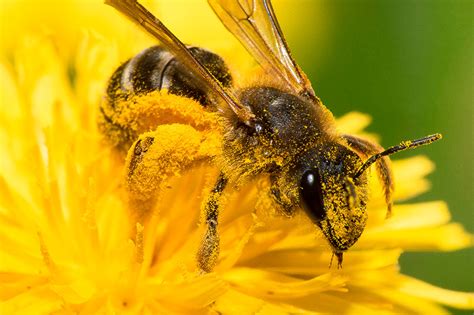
[70, 245]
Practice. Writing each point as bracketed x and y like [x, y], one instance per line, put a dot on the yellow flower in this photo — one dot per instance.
[69, 244]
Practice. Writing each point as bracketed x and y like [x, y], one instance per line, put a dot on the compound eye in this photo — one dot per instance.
[311, 195]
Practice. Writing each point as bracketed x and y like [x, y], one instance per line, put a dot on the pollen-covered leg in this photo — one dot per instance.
[285, 194]
[158, 155]
[209, 251]
[384, 170]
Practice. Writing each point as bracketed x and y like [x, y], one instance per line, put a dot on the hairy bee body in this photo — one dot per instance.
[289, 132]
[286, 125]
[279, 128]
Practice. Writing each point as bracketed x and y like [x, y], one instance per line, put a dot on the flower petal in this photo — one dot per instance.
[312, 262]
[414, 287]
[268, 284]
[445, 238]
[353, 122]
[425, 214]
[194, 293]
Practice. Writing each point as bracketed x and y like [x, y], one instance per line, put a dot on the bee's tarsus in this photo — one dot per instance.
[388, 215]
[208, 252]
[330, 262]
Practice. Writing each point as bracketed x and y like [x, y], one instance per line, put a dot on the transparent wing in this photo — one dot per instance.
[254, 23]
[140, 15]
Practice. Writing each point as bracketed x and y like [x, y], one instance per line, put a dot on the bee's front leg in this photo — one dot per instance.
[208, 252]
[284, 194]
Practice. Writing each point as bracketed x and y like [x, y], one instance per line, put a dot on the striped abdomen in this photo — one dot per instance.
[154, 69]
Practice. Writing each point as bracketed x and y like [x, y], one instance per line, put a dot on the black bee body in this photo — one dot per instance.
[155, 69]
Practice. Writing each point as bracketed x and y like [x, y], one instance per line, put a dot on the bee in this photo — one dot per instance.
[280, 129]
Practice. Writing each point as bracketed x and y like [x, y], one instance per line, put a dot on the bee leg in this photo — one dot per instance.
[209, 250]
[156, 157]
[384, 169]
[282, 198]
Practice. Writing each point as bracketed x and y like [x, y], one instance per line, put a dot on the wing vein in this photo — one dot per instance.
[254, 23]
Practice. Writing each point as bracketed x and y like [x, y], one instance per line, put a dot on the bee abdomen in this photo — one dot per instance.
[155, 69]
[140, 74]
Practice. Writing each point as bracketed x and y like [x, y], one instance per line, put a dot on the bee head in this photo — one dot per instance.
[331, 197]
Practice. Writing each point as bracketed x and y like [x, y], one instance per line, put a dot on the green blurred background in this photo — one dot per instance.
[409, 64]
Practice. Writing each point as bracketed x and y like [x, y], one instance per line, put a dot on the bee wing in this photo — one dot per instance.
[254, 23]
[140, 15]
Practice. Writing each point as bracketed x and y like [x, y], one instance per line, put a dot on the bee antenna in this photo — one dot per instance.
[405, 145]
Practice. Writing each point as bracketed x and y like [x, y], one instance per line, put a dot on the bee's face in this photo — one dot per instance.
[331, 197]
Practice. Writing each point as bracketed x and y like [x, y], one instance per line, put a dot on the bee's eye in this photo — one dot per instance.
[311, 195]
